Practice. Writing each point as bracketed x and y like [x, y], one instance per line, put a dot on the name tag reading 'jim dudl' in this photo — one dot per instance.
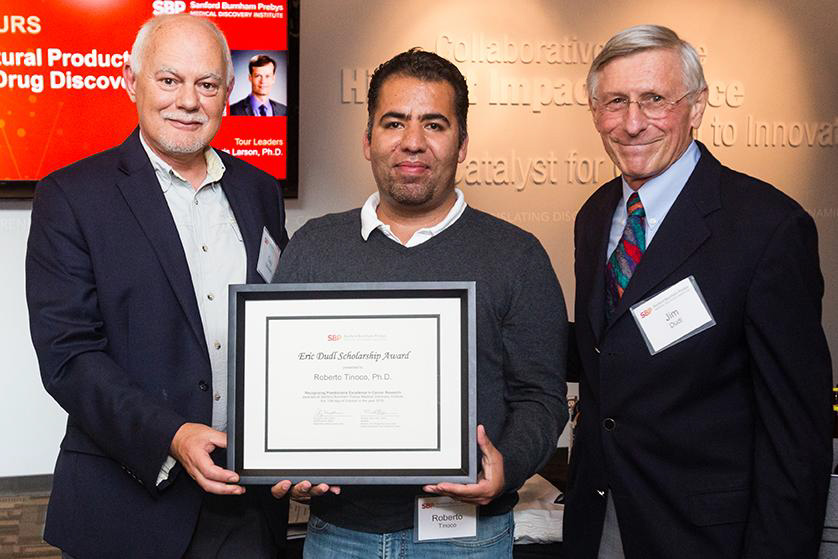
[672, 316]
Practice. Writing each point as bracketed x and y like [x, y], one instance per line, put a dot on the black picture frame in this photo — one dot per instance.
[242, 432]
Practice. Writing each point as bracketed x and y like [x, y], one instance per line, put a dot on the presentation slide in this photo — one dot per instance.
[62, 93]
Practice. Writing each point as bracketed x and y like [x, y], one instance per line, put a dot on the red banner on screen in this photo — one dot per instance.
[62, 94]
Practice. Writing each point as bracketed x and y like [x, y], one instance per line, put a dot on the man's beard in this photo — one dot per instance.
[190, 144]
[184, 146]
[411, 193]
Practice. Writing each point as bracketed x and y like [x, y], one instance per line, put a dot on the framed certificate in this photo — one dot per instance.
[352, 383]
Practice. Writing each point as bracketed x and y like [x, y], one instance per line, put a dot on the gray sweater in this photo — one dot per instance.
[521, 340]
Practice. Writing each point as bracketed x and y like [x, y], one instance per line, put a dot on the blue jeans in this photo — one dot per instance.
[327, 541]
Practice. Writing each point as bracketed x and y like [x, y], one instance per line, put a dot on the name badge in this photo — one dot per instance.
[268, 256]
[672, 316]
[443, 518]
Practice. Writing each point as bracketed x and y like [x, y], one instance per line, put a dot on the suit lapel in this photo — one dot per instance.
[682, 232]
[242, 210]
[141, 190]
[595, 279]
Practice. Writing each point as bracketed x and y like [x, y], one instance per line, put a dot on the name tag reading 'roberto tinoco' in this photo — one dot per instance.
[672, 316]
[443, 518]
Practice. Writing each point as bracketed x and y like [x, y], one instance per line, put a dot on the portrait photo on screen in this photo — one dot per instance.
[261, 86]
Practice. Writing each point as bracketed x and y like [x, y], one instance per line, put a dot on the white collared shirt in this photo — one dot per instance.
[370, 221]
[657, 195]
[215, 254]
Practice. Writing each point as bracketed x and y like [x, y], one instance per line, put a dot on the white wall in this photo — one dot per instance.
[783, 53]
[31, 423]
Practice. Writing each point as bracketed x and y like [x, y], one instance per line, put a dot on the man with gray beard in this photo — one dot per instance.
[130, 255]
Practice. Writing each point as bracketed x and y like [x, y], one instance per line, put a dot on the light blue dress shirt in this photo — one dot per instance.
[255, 104]
[657, 195]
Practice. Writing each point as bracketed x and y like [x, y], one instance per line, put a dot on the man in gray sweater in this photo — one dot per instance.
[417, 227]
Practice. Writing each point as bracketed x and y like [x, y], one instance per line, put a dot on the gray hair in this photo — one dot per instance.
[152, 24]
[646, 37]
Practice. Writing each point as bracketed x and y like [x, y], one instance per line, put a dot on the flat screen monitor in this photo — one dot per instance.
[62, 95]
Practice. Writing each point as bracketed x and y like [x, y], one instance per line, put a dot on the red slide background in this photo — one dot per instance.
[43, 131]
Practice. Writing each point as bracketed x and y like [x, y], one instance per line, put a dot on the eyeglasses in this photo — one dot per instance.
[651, 105]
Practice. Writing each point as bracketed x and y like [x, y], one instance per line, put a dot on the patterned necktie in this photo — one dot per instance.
[263, 111]
[626, 255]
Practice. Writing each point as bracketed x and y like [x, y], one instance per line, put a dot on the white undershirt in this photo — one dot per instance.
[370, 221]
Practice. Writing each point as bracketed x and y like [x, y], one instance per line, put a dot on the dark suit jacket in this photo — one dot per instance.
[121, 346]
[721, 444]
[243, 108]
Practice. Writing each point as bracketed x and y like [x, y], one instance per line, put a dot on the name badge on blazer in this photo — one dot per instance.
[268, 256]
[673, 315]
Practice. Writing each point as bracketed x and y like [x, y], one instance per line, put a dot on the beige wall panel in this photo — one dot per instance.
[771, 65]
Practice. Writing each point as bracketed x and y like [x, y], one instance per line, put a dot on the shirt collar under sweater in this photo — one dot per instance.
[370, 221]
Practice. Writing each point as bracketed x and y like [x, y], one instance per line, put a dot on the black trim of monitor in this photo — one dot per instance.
[25, 189]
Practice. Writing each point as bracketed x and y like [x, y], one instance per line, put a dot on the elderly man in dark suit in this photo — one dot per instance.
[129, 258]
[704, 395]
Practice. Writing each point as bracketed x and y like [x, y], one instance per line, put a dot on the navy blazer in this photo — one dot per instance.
[719, 445]
[121, 347]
